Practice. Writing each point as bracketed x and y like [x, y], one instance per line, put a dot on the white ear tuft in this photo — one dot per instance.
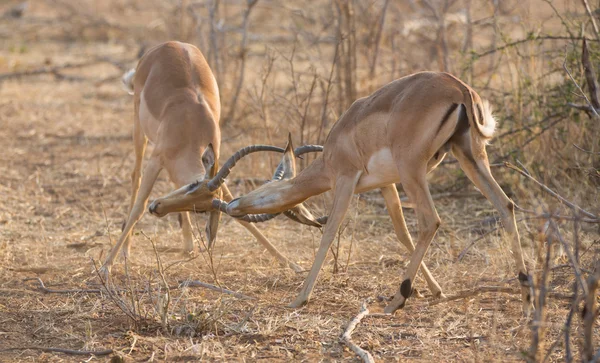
[127, 80]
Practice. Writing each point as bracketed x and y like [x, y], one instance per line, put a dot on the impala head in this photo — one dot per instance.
[269, 197]
[194, 197]
[198, 196]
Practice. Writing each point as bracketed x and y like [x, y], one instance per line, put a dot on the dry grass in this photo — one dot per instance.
[64, 186]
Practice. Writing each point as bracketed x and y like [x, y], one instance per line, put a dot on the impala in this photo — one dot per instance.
[177, 108]
[398, 134]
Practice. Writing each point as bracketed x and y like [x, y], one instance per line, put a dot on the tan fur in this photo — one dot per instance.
[398, 126]
[177, 108]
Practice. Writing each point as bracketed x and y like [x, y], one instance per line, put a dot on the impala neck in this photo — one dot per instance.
[280, 196]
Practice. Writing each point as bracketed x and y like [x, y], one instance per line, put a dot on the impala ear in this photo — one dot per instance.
[209, 162]
[287, 167]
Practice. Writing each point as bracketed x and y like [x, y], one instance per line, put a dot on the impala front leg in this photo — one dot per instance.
[344, 189]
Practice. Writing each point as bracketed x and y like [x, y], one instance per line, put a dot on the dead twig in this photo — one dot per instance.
[590, 75]
[590, 314]
[62, 350]
[346, 338]
[196, 283]
[592, 19]
[550, 191]
[43, 288]
[243, 55]
[590, 107]
[484, 289]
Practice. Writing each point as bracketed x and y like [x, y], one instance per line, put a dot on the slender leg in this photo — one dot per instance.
[139, 143]
[479, 173]
[149, 177]
[344, 189]
[261, 238]
[392, 201]
[416, 188]
[186, 229]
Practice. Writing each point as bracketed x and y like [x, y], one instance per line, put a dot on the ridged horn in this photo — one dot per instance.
[216, 182]
[251, 218]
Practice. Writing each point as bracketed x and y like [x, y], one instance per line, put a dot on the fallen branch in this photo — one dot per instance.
[483, 289]
[56, 69]
[196, 283]
[43, 288]
[346, 338]
[62, 350]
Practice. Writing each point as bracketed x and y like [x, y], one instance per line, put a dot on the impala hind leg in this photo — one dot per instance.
[151, 172]
[344, 189]
[478, 171]
[394, 207]
[261, 238]
[417, 190]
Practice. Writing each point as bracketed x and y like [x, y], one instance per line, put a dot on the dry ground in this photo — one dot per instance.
[64, 186]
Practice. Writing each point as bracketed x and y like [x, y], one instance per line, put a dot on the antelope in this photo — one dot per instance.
[177, 108]
[398, 134]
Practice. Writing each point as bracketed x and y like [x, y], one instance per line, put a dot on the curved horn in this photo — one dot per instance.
[307, 149]
[251, 218]
[216, 182]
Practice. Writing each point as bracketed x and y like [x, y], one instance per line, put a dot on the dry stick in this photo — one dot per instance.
[196, 283]
[164, 313]
[327, 92]
[590, 107]
[483, 289]
[550, 191]
[62, 350]
[569, 253]
[586, 151]
[130, 314]
[590, 314]
[537, 325]
[214, 43]
[43, 288]
[567, 326]
[346, 338]
[526, 40]
[592, 19]
[378, 39]
[243, 54]
[590, 75]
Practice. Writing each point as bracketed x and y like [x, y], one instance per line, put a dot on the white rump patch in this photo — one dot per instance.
[127, 80]
[489, 122]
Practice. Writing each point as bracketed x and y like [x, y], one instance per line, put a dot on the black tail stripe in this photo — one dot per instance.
[447, 115]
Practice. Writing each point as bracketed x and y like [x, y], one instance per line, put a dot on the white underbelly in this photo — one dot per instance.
[148, 123]
[381, 171]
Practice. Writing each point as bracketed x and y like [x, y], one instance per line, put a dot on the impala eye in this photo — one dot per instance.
[193, 186]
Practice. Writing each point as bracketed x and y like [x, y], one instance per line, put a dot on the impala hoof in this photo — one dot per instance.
[298, 303]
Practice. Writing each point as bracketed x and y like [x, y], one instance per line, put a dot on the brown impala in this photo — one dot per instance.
[177, 108]
[398, 134]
